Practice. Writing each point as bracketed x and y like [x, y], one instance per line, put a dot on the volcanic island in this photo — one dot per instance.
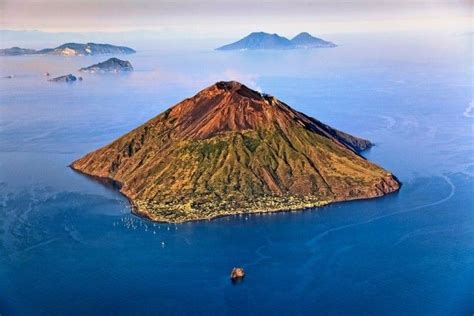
[232, 150]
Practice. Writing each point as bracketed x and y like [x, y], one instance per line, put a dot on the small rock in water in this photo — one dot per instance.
[237, 274]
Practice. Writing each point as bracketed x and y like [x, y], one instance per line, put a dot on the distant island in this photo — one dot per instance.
[70, 49]
[232, 150]
[66, 78]
[110, 65]
[262, 40]
[16, 51]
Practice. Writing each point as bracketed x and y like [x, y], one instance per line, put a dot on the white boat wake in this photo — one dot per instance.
[315, 256]
[469, 111]
[377, 218]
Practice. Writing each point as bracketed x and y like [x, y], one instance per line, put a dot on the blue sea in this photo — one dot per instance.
[70, 246]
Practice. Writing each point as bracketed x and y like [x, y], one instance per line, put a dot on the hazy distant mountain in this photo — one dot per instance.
[110, 65]
[306, 40]
[262, 40]
[71, 49]
[15, 51]
[75, 49]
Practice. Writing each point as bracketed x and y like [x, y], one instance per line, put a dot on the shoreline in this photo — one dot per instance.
[137, 210]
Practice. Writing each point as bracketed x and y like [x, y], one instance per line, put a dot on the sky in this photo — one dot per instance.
[214, 18]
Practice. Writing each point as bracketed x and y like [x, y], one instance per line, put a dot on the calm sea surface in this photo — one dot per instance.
[69, 245]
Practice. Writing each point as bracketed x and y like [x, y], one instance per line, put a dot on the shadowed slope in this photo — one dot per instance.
[230, 150]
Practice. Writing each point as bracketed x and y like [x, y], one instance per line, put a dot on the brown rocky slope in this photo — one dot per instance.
[230, 150]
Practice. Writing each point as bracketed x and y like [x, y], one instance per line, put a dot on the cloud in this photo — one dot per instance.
[249, 80]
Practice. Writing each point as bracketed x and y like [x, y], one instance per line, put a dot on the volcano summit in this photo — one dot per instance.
[232, 150]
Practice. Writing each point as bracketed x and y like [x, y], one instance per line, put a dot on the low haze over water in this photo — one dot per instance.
[69, 245]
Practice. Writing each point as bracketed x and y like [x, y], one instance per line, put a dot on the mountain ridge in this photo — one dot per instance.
[71, 49]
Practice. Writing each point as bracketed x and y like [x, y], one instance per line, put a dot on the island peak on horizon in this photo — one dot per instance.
[264, 40]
